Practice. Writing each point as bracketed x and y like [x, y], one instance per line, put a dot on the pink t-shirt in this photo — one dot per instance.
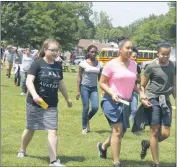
[121, 79]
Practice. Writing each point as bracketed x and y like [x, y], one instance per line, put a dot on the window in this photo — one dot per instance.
[155, 55]
[140, 56]
[146, 55]
[109, 53]
[151, 56]
[103, 54]
[115, 53]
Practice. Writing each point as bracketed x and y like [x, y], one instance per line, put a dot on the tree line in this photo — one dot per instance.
[30, 23]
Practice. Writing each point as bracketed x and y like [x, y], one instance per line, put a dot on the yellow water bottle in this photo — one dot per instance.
[43, 104]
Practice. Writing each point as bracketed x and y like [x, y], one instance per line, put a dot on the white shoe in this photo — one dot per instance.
[22, 94]
[21, 154]
[84, 131]
[57, 163]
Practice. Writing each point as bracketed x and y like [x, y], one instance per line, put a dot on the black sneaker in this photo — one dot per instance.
[145, 145]
[102, 153]
[155, 165]
[117, 165]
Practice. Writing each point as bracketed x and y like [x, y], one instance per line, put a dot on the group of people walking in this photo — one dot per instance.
[119, 80]
[15, 59]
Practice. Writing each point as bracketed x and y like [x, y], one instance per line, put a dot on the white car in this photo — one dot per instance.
[78, 59]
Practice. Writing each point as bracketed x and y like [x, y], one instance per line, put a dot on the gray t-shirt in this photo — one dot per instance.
[18, 58]
[90, 74]
[27, 61]
[161, 79]
[9, 57]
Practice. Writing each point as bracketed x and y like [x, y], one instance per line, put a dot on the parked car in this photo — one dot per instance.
[78, 59]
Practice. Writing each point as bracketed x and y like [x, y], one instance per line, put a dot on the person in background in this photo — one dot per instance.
[118, 82]
[88, 76]
[27, 60]
[134, 102]
[44, 78]
[60, 59]
[157, 83]
[8, 59]
[16, 64]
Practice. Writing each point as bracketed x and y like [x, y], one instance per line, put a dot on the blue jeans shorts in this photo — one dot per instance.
[157, 117]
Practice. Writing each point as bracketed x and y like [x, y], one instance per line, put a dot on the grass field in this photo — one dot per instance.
[74, 149]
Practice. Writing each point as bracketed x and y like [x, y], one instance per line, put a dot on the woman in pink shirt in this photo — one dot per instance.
[118, 81]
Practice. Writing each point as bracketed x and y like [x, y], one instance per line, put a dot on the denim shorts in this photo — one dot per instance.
[113, 111]
[157, 117]
[119, 120]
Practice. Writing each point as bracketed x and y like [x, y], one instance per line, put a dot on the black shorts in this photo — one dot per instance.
[157, 116]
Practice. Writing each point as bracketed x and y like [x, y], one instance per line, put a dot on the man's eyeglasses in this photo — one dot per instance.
[164, 55]
[54, 50]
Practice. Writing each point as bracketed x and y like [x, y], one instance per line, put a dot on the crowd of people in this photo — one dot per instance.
[41, 76]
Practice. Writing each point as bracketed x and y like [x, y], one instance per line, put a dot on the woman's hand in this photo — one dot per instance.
[115, 97]
[69, 103]
[37, 99]
[77, 95]
[145, 102]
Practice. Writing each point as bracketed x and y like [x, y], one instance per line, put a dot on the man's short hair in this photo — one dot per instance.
[163, 45]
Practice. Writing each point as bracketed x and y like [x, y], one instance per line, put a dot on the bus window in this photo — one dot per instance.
[140, 55]
[103, 54]
[151, 56]
[155, 55]
[146, 55]
[115, 53]
[109, 53]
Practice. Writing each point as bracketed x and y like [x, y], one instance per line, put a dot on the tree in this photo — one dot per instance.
[33, 22]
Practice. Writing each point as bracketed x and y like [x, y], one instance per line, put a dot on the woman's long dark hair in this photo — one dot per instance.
[88, 49]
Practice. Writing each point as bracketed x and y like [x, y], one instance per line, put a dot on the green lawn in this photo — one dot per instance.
[74, 148]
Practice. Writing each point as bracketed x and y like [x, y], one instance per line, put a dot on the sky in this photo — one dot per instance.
[124, 13]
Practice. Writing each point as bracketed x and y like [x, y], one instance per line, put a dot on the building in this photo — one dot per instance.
[83, 44]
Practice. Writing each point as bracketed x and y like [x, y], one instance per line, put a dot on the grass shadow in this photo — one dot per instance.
[64, 159]
[101, 131]
[4, 85]
[45, 158]
[133, 163]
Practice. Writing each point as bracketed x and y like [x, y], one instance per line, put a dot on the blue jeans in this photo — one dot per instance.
[88, 94]
[23, 79]
[17, 78]
[134, 106]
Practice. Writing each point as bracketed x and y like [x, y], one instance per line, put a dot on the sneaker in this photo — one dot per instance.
[84, 131]
[57, 163]
[21, 154]
[102, 153]
[145, 145]
[117, 165]
[155, 165]
[22, 94]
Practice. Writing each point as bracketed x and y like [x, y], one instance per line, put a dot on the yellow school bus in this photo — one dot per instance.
[146, 55]
[107, 54]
